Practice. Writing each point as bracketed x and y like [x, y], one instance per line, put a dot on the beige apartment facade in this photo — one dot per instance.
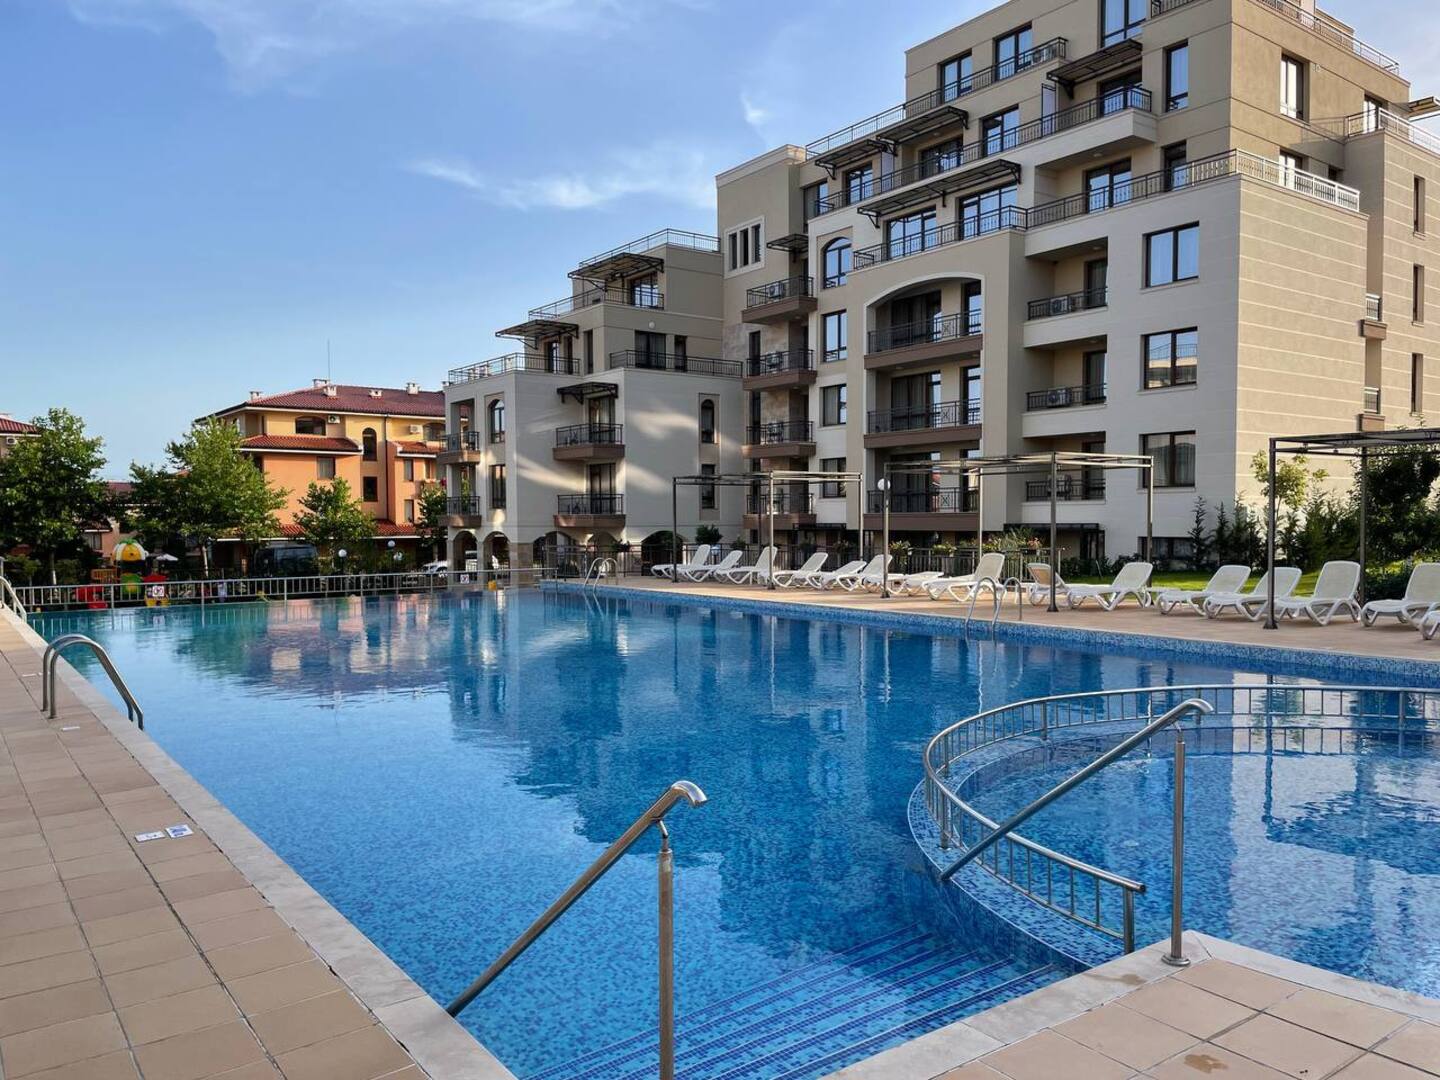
[570, 442]
[1172, 228]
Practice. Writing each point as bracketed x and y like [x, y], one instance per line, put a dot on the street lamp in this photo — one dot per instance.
[341, 556]
[884, 485]
[395, 555]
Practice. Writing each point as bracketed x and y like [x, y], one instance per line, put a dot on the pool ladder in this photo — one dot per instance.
[598, 569]
[652, 818]
[51, 657]
[998, 591]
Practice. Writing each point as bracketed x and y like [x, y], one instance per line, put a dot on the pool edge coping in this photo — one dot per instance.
[436, 1041]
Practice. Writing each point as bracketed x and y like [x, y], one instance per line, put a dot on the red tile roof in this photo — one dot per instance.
[415, 449]
[317, 444]
[19, 427]
[392, 401]
[383, 528]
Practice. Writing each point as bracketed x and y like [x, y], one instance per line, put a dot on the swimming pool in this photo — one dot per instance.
[440, 768]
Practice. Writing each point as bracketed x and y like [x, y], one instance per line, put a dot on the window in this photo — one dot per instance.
[707, 421]
[645, 292]
[1290, 165]
[997, 131]
[940, 158]
[837, 335]
[1120, 19]
[552, 357]
[859, 184]
[973, 307]
[914, 320]
[1107, 186]
[434, 432]
[837, 256]
[369, 489]
[1417, 383]
[987, 211]
[1417, 294]
[744, 246]
[309, 425]
[497, 487]
[649, 349]
[1120, 93]
[367, 440]
[1370, 115]
[1419, 205]
[707, 491]
[817, 199]
[909, 234]
[325, 468]
[1172, 255]
[1174, 454]
[1174, 158]
[410, 510]
[955, 76]
[832, 489]
[1170, 358]
[495, 412]
[408, 469]
[971, 380]
[754, 344]
[588, 345]
[1177, 76]
[681, 352]
[832, 405]
[1292, 87]
[1012, 52]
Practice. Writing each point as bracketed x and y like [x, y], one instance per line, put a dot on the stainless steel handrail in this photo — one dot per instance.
[51, 657]
[653, 817]
[597, 570]
[11, 599]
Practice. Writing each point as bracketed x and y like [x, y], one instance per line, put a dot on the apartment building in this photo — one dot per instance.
[573, 438]
[1164, 227]
[12, 431]
[383, 441]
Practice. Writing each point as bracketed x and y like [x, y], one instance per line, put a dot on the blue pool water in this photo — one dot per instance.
[440, 768]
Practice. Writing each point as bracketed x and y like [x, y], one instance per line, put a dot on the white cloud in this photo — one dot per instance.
[755, 115]
[685, 175]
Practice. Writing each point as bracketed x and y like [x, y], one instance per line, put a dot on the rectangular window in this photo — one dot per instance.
[1290, 166]
[755, 243]
[907, 235]
[832, 489]
[1174, 454]
[1419, 205]
[1012, 52]
[1177, 76]
[754, 344]
[734, 251]
[325, 468]
[997, 131]
[971, 379]
[955, 76]
[1370, 117]
[837, 336]
[859, 184]
[940, 158]
[1174, 158]
[1417, 383]
[744, 245]
[1292, 87]
[1172, 255]
[681, 353]
[589, 348]
[832, 405]
[1417, 294]
[410, 510]
[497, 487]
[369, 489]
[1107, 186]
[1171, 358]
[817, 200]
[987, 212]
[408, 469]
[707, 491]
[1120, 19]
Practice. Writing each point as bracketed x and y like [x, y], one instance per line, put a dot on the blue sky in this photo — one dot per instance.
[196, 194]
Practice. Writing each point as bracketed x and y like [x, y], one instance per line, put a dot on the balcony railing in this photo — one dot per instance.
[586, 503]
[944, 414]
[781, 362]
[1309, 20]
[945, 328]
[510, 362]
[780, 431]
[664, 361]
[462, 440]
[1372, 400]
[785, 502]
[938, 500]
[791, 288]
[497, 436]
[642, 297]
[661, 238]
[952, 232]
[1068, 304]
[467, 505]
[1374, 308]
[1367, 123]
[590, 435]
[1065, 397]
[1067, 489]
[923, 103]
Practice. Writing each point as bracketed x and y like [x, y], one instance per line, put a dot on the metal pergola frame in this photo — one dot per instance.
[1346, 444]
[1015, 464]
[768, 480]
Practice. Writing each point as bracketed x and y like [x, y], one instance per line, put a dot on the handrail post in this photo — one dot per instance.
[1176, 957]
[667, 955]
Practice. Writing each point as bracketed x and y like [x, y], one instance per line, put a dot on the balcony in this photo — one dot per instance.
[1068, 304]
[646, 296]
[1068, 488]
[1370, 418]
[508, 364]
[1372, 326]
[590, 511]
[950, 337]
[1065, 397]
[793, 510]
[778, 370]
[590, 442]
[463, 510]
[1313, 21]
[790, 299]
[936, 509]
[642, 360]
[952, 232]
[945, 422]
[461, 446]
[780, 439]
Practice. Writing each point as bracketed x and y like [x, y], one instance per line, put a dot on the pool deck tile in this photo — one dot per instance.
[174, 959]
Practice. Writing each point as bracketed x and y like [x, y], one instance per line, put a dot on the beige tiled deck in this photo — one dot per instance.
[1386, 639]
[163, 959]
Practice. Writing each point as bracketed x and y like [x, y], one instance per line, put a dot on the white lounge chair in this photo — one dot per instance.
[908, 584]
[1429, 624]
[1252, 604]
[1422, 595]
[699, 559]
[1038, 590]
[823, 579]
[1335, 591]
[989, 565]
[1230, 578]
[704, 573]
[872, 577]
[756, 572]
[790, 579]
[1130, 581]
[851, 581]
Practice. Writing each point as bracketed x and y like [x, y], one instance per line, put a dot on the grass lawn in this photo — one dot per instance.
[1196, 579]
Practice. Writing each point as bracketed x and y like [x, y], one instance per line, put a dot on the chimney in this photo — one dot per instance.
[331, 390]
[319, 384]
[377, 393]
[412, 388]
[256, 395]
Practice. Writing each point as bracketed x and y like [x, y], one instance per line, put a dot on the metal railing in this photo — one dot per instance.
[639, 297]
[952, 232]
[511, 362]
[938, 500]
[590, 435]
[1067, 489]
[931, 332]
[791, 288]
[780, 362]
[51, 657]
[1065, 397]
[1315, 22]
[1067, 304]
[11, 599]
[784, 502]
[588, 504]
[598, 569]
[780, 431]
[652, 818]
[1372, 400]
[1379, 120]
[464, 505]
[660, 238]
[1374, 307]
[943, 414]
[645, 360]
[469, 439]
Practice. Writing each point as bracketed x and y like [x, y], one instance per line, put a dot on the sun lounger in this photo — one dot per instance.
[990, 565]
[1038, 590]
[851, 579]
[704, 573]
[755, 573]
[1422, 595]
[1130, 581]
[790, 579]
[699, 559]
[1252, 604]
[1228, 579]
[1335, 591]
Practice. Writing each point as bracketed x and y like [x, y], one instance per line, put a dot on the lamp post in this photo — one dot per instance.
[883, 484]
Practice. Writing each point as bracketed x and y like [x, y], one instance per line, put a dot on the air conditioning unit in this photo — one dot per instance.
[332, 419]
[416, 429]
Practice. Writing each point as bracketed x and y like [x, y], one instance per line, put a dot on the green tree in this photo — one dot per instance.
[1199, 536]
[430, 517]
[207, 490]
[1402, 519]
[50, 488]
[332, 519]
[1292, 480]
[707, 534]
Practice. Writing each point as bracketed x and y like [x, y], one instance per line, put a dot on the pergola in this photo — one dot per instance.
[1346, 444]
[1014, 464]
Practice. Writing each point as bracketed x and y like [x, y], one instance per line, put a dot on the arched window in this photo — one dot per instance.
[707, 421]
[497, 420]
[837, 263]
[309, 425]
[367, 440]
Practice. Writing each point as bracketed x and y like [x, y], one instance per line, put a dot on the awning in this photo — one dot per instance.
[924, 123]
[534, 329]
[851, 152]
[619, 264]
[794, 243]
[1101, 62]
[588, 391]
[986, 173]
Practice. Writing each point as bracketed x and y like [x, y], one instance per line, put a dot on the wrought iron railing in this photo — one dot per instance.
[936, 500]
[640, 297]
[952, 232]
[664, 361]
[469, 439]
[785, 502]
[1068, 488]
[943, 414]
[930, 332]
[464, 505]
[511, 362]
[1374, 308]
[1069, 303]
[588, 504]
[590, 435]
[1367, 123]
[791, 288]
[661, 238]
[1372, 400]
[780, 431]
[1065, 397]
[780, 362]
